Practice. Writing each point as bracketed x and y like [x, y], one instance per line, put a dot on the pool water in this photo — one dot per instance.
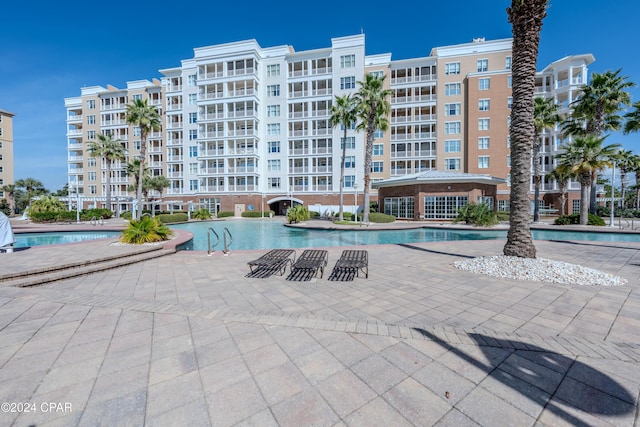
[25, 240]
[272, 234]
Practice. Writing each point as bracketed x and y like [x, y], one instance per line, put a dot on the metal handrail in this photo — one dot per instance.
[211, 230]
[226, 246]
[94, 221]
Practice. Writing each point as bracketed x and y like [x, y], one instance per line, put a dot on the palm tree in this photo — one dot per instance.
[545, 116]
[625, 161]
[32, 188]
[561, 174]
[10, 193]
[633, 119]
[110, 150]
[526, 22]
[598, 108]
[147, 118]
[372, 109]
[159, 183]
[585, 156]
[343, 112]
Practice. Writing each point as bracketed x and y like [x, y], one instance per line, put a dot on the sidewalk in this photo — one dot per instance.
[186, 339]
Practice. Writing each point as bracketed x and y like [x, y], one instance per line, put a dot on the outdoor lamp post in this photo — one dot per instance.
[613, 176]
[77, 204]
[355, 200]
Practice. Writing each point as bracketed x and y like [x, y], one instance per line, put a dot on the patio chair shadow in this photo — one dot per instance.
[550, 377]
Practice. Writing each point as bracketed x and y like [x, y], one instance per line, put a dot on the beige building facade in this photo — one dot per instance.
[6, 151]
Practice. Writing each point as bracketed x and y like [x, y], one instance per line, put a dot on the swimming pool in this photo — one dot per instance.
[271, 234]
[25, 240]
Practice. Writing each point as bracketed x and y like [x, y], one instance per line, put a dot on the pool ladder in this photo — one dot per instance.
[225, 233]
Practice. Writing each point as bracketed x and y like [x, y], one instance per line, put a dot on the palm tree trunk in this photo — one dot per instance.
[108, 204]
[367, 168]
[585, 187]
[344, 154]
[593, 194]
[623, 175]
[143, 155]
[536, 177]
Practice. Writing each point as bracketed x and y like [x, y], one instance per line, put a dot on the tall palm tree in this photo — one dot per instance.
[10, 193]
[159, 183]
[526, 22]
[633, 119]
[598, 110]
[545, 116]
[343, 112]
[625, 161]
[372, 111]
[32, 187]
[109, 150]
[585, 156]
[561, 174]
[146, 117]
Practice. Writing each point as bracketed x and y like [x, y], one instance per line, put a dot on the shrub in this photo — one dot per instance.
[47, 204]
[255, 214]
[314, 214]
[575, 219]
[502, 216]
[126, 215]
[4, 207]
[202, 213]
[224, 214]
[347, 216]
[87, 214]
[47, 216]
[145, 230]
[479, 215]
[171, 218]
[380, 217]
[298, 213]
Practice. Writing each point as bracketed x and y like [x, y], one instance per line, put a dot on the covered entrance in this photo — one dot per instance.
[280, 205]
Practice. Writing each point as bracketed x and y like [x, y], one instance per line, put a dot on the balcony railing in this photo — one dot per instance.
[242, 169]
[321, 70]
[211, 171]
[175, 158]
[241, 92]
[175, 174]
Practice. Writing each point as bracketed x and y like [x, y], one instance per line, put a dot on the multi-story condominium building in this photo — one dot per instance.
[247, 128]
[6, 150]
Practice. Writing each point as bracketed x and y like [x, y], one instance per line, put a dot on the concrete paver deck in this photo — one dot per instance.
[186, 339]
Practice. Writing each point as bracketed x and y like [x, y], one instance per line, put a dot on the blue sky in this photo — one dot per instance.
[47, 53]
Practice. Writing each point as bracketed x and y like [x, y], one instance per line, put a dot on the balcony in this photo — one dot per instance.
[175, 158]
[322, 92]
[241, 72]
[74, 118]
[75, 146]
[174, 88]
[174, 125]
[71, 132]
[75, 171]
[243, 188]
[242, 169]
[241, 92]
[244, 113]
[174, 107]
[298, 114]
[212, 75]
[301, 188]
[174, 141]
[242, 132]
[76, 159]
[175, 174]
[413, 79]
[210, 95]
[425, 153]
[321, 70]
[211, 171]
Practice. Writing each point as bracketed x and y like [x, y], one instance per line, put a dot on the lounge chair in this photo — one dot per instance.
[273, 261]
[309, 264]
[351, 262]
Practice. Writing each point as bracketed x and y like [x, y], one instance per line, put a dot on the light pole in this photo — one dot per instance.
[355, 200]
[77, 204]
[613, 176]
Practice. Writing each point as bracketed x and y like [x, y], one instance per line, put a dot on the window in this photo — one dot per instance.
[351, 126]
[452, 68]
[273, 146]
[273, 182]
[347, 61]
[452, 89]
[507, 63]
[377, 166]
[193, 134]
[483, 84]
[136, 131]
[509, 102]
[509, 122]
[136, 145]
[193, 184]
[378, 149]
[273, 129]
[92, 176]
[349, 162]
[452, 109]
[351, 142]
[91, 104]
[91, 162]
[483, 124]
[193, 98]
[93, 189]
[273, 111]
[400, 207]
[452, 146]
[486, 200]
[91, 134]
[273, 165]
[348, 82]
[483, 65]
[509, 160]
[452, 164]
[91, 119]
[137, 97]
[193, 168]
[349, 180]
[378, 134]
[273, 70]
[483, 162]
[483, 143]
[443, 207]
[503, 205]
[193, 151]
[191, 80]
[377, 74]
[193, 117]
[273, 90]
[451, 128]
[483, 105]
[509, 81]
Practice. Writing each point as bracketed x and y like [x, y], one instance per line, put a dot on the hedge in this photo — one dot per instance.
[380, 217]
[223, 214]
[575, 219]
[256, 214]
[171, 218]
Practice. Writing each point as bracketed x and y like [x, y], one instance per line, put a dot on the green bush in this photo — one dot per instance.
[87, 214]
[479, 215]
[255, 214]
[202, 213]
[347, 216]
[574, 219]
[171, 218]
[298, 213]
[145, 230]
[45, 216]
[47, 204]
[380, 217]
[4, 207]
[224, 214]
[126, 215]
[314, 214]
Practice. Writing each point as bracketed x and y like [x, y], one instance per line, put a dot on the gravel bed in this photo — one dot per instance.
[539, 269]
